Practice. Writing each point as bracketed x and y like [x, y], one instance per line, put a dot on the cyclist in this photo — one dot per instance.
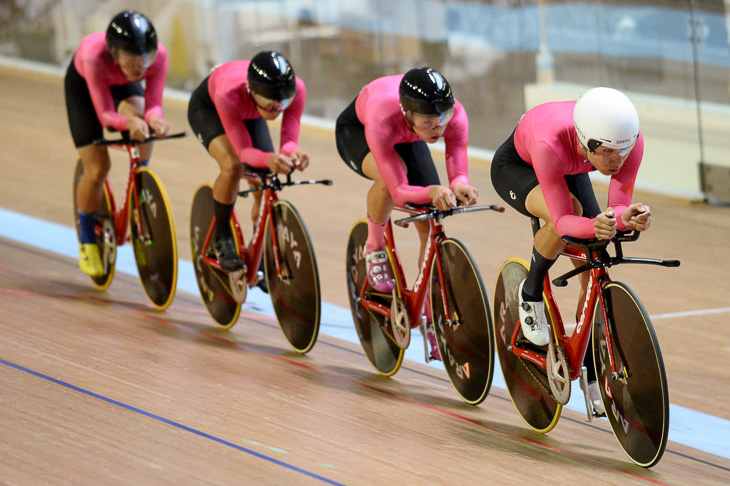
[103, 88]
[228, 111]
[382, 135]
[542, 170]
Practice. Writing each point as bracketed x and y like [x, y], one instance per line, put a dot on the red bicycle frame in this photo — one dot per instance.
[120, 218]
[416, 296]
[251, 253]
[575, 345]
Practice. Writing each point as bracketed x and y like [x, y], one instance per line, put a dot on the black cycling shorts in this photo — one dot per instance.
[513, 179]
[353, 148]
[85, 125]
[206, 124]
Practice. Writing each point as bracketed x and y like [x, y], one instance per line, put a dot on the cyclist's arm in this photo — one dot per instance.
[391, 168]
[291, 120]
[102, 98]
[456, 138]
[155, 84]
[550, 175]
[621, 187]
[238, 134]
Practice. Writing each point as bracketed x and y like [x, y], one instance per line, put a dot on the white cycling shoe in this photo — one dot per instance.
[534, 325]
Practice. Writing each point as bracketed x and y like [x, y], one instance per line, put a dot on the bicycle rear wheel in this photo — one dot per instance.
[527, 383]
[106, 235]
[465, 337]
[637, 407]
[380, 350]
[295, 295]
[214, 284]
[154, 242]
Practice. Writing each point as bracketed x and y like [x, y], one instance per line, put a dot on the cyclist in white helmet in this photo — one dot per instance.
[542, 170]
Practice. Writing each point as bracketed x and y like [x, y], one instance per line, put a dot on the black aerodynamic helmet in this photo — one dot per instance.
[131, 32]
[270, 75]
[425, 91]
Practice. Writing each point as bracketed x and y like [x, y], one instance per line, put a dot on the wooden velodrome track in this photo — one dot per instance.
[97, 388]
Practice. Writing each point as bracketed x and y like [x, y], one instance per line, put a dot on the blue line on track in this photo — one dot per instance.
[170, 422]
[689, 427]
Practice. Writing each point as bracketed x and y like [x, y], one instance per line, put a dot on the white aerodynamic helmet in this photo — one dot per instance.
[605, 116]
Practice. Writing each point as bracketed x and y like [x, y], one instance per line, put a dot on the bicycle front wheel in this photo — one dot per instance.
[214, 285]
[295, 289]
[637, 404]
[464, 335]
[527, 383]
[381, 350]
[106, 235]
[153, 239]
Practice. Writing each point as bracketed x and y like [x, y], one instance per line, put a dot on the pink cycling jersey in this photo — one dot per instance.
[546, 139]
[378, 108]
[227, 89]
[94, 63]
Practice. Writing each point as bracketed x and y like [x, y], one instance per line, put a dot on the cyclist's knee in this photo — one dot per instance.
[231, 168]
[96, 169]
[577, 206]
[132, 106]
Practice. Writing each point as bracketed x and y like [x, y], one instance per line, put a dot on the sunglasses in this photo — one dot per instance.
[271, 105]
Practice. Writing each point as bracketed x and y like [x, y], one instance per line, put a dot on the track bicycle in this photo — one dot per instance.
[628, 362]
[290, 267]
[146, 210]
[459, 304]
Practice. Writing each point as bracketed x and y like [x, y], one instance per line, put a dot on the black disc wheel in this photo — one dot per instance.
[637, 400]
[214, 284]
[294, 288]
[153, 239]
[527, 383]
[380, 349]
[464, 335]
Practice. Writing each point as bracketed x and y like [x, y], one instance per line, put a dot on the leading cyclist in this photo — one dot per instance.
[228, 112]
[542, 170]
[382, 135]
[103, 88]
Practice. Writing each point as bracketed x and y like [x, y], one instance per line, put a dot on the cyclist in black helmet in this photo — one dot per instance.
[103, 88]
[382, 135]
[228, 113]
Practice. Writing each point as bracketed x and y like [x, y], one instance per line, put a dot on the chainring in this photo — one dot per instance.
[237, 281]
[558, 374]
[399, 322]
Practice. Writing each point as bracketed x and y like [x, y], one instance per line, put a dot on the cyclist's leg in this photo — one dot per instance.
[587, 205]
[581, 186]
[134, 106]
[129, 100]
[89, 195]
[206, 124]
[516, 182]
[258, 130]
[379, 206]
[354, 151]
[421, 172]
[85, 128]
